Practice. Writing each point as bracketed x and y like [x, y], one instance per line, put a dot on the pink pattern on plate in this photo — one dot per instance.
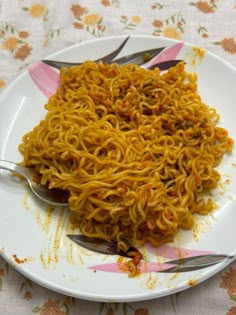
[168, 54]
[46, 78]
[144, 267]
[175, 252]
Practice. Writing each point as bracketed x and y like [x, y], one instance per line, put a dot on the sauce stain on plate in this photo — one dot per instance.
[60, 229]
[192, 282]
[224, 184]
[50, 255]
[44, 218]
[25, 201]
[203, 225]
[194, 57]
[21, 261]
[172, 278]
[71, 256]
[43, 262]
[56, 225]
[151, 281]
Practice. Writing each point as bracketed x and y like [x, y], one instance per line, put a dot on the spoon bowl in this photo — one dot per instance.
[52, 196]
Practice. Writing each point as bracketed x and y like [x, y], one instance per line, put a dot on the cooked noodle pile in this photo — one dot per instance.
[134, 148]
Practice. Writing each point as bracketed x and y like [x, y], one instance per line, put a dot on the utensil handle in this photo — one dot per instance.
[13, 167]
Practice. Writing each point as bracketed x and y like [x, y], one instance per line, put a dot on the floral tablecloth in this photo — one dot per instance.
[31, 30]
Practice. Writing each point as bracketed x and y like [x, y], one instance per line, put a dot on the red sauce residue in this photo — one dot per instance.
[18, 260]
[130, 266]
[122, 265]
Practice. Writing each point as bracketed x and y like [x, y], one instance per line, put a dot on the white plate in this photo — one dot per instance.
[33, 237]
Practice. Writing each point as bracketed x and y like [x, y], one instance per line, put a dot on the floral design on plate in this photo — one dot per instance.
[47, 79]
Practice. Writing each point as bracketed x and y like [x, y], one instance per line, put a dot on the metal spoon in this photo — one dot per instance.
[51, 196]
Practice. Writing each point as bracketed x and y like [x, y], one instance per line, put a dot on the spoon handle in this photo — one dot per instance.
[10, 166]
[53, 196]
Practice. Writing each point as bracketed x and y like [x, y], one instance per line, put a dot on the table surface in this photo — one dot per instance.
[31, 30]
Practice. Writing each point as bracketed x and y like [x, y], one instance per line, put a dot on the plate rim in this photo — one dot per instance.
[96, 297]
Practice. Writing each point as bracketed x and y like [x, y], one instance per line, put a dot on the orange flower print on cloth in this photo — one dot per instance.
[25, 288]
[110, 311]
[28, 295]
[171, 32]
[142, 311]
[108, 3]
[157, 24]
[90, 21]
[228, 45]
[23, 52]
[23, 34]
[231, 311]
[10, 43]
[51, 307]
[2, 84]
[79, 26]
[14, 42]
[37, 11]
[205, 7]
[78, 11]
[172, 27]
[130, 23]
[229, 281]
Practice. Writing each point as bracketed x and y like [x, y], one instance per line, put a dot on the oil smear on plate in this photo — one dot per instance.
[54, 222]
[193, 58]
